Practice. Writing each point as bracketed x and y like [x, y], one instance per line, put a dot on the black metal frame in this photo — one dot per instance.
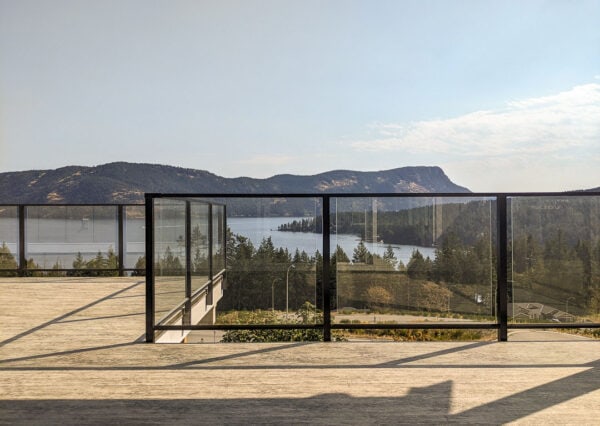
[22, 269]
[502, 324]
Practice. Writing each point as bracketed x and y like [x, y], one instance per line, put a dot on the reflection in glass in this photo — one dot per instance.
[134, 238]
[218, 238]
[65, 237]
[199, 244]
[169, 255]
[266, 236]
[9, 239]
[554, 259]
[413, 259]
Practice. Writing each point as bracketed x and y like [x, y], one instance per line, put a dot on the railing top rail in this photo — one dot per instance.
[179, 197]
[377, 195]
[72, 205]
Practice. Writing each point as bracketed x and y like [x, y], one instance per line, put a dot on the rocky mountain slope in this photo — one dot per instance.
[127, 182]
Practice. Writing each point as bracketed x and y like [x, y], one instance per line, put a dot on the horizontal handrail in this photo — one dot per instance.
[202, 196]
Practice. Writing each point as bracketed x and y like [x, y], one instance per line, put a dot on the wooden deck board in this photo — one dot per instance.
[70, 354]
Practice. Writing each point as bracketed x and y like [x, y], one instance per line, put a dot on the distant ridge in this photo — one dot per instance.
[123, 182]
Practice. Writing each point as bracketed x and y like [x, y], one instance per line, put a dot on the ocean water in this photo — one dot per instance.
[49, 241]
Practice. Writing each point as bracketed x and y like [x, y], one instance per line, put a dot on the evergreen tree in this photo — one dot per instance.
[340, 256]
[112, 260]
[56, 270]
[170, 264]
[361, 254]
[7, 261]
[200, 262]
[418, 267]
[79, 262]
[584, 254]
[389, 256]
[140, 267]
[447, 266]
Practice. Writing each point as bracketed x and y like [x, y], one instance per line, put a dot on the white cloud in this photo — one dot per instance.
[523, 129]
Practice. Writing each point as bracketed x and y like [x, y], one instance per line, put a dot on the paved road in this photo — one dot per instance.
[544, 336]
[399, 318]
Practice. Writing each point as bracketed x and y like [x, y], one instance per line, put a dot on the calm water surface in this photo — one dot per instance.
[258, 228]
[50, 240]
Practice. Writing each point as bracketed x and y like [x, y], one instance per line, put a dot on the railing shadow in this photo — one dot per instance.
[68, 314]
[531, 401]
[428, 404]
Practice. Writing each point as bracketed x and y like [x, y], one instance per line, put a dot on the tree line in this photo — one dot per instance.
[100, 265]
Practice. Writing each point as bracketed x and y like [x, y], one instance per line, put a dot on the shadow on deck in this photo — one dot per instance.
[79, 360]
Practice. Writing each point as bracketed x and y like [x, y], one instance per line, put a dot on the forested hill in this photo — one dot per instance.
[127, 182]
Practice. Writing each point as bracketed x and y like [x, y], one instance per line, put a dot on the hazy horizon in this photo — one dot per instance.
[503, 96]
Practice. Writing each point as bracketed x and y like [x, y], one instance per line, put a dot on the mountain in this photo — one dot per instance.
[127, 182]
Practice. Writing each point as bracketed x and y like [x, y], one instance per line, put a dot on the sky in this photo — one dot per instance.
[503, 95]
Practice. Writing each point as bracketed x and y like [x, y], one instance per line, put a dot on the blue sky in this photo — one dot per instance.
[503, 95]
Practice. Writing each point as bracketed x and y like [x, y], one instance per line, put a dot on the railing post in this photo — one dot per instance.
[22, 259]
[224, 282]
[149, 213]
[209, 294]
[187, 317]
[502, 265]
[326, 270]
[120, 240]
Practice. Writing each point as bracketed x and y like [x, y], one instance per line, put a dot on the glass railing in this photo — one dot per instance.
[271, 271]
[186, 264]
[554, 258]
[134, 237]
[9, 240]
[401, 260]
[75, 240]
[398, 261]
[169, 257]
[374, 261]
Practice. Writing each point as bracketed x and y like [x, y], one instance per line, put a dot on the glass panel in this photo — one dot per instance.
[273, 252]
[420, 259]
[199, 239]
[9, 239]
[554, 259]
[134, 238]
[218, 252]
[169, 256]
[71, 237]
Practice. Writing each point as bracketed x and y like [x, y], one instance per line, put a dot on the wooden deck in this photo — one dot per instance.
[71, 353]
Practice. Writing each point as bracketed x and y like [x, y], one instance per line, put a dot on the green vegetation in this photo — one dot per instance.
[554, 246]
[100, 265]
[557, 270]
[140, 267]
[306, 314]
[459, 280]
[257, 277]
[420, 226]
[7, 261]
[423, 335]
